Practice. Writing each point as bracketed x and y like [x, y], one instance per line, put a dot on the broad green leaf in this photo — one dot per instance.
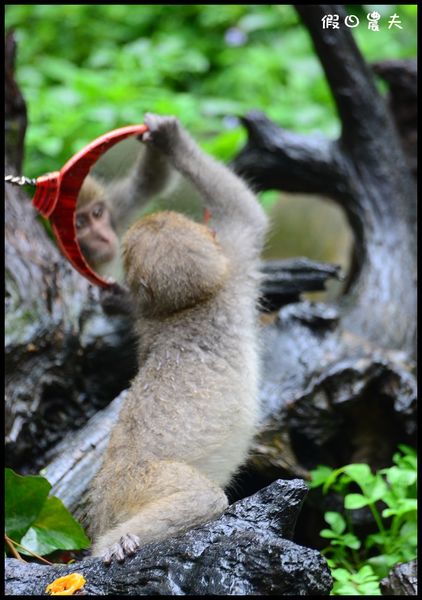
[24, 499]
[365, 573]
[382, 563]
[401, 477]
[391, 498]
[327, 533]
[408, 450]
[408, 503]
[409, 533]
[361, 474]
[371, 589]
[336, 520]
[354, 501]
[404, 505]
[374, 539]
[390, 512]
[332, 478]
[351, 541]
[338, 541]
[341, 575]
[58, 69]
[408, 461]
[54, 529]
[344, 589]
[377, 490]
[320, 474]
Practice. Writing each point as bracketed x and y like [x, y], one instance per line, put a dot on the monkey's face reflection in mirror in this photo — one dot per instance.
[102, 209]
[95, 232]
[116, 193]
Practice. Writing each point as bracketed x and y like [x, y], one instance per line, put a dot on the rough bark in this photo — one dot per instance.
[286, 280]
[402, 580]
[402, 79]
[60, 347]
[247, 551]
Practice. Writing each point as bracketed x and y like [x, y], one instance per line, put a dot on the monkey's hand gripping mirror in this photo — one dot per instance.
[56, 198]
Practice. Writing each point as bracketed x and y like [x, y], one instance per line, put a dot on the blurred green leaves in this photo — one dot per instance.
[86, 69]
[40, 523]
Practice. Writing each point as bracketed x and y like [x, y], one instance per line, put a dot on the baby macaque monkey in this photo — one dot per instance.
[104, 210]
[191, 411]
[95, 230]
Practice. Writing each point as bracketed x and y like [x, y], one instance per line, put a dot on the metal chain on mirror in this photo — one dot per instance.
[20, 180]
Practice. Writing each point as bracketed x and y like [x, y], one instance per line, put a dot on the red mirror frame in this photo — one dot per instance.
[56, 196]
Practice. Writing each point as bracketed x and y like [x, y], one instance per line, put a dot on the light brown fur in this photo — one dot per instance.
[172, 263]
[192, 410]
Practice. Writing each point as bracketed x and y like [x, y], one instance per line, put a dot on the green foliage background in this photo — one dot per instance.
[86, 69]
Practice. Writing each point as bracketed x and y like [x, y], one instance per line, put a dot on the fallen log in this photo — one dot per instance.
[246, 551]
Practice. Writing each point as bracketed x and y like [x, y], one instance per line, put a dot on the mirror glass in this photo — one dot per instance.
[127, 182]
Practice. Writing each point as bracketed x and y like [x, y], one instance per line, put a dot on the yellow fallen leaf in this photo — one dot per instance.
[67, 585]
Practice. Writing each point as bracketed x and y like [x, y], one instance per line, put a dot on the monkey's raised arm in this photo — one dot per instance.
[237, 217]
[147, 178]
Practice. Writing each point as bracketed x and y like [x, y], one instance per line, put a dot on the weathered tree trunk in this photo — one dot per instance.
[64, 358]
[402, 580]
[60, 348]
[338, 382]
[402, 79]
[246, 551]
[365, 172]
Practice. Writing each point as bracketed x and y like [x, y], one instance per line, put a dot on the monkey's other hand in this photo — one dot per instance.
[162, 131]
[116, 300]
[127, 546]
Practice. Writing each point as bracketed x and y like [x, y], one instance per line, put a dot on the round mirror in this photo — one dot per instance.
[127, 182]
[102, 191]
[58, 196]
[108, 203]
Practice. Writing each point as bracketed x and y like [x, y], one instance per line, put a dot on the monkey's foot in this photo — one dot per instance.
[127, 546]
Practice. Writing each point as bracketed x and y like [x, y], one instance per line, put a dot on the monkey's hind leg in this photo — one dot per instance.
[172, 497]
